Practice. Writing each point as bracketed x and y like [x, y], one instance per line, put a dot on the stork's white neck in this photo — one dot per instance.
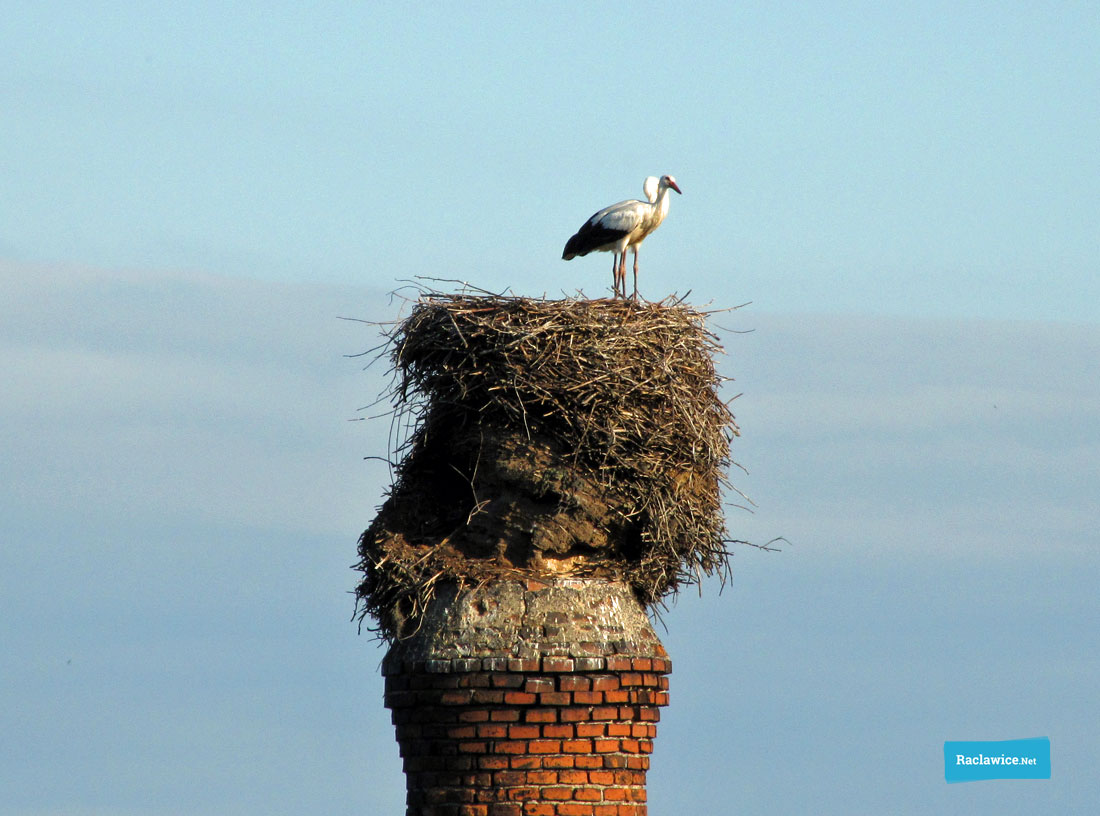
[660, 207]
[662, 201]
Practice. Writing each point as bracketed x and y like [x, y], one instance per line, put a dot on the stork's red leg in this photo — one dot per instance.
[635, 275]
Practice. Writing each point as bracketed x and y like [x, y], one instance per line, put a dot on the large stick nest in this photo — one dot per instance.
[565, 437]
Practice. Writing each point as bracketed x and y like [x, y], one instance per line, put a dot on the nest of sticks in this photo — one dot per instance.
[548, 438]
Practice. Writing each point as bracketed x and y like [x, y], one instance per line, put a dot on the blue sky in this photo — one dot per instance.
[910, 158]
[192, 196]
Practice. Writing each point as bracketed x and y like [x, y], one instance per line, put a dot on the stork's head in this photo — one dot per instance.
[669, 181]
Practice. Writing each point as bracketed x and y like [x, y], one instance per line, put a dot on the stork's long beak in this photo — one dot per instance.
[672, 184]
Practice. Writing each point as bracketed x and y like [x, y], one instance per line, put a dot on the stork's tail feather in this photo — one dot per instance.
[591, 238]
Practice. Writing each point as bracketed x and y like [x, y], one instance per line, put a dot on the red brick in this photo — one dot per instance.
[518, 698]
[475, 680]
[523, 731]
[591, 729]
[510, 747]
[540, 715]
[581, 746]
[544, 746]
[572, 682]
[606, 746]
[557, 664]
[526, 761]
[589, 663]
[558, 731]
[588, 697]
[575, 809]
[505, 809]
[523, 664]
[606, 682]
[509, 779]
[576, 714]
[493, 731]
[473, 716]
[556, 698]
[616, 794]
[505, 715]
[522, 794]
[573, 777]
[557, 793]
[456, 697]
[563, 761]
[588, 794]
[537, 685]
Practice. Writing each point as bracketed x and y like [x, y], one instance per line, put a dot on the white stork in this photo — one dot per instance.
[623, 226]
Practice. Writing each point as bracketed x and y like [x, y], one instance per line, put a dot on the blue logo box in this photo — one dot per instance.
[1006, 759]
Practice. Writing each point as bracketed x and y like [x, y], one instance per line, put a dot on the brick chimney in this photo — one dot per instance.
[562, 725]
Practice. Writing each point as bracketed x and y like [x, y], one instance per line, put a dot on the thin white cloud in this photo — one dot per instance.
[918, 435]
[186, 397]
